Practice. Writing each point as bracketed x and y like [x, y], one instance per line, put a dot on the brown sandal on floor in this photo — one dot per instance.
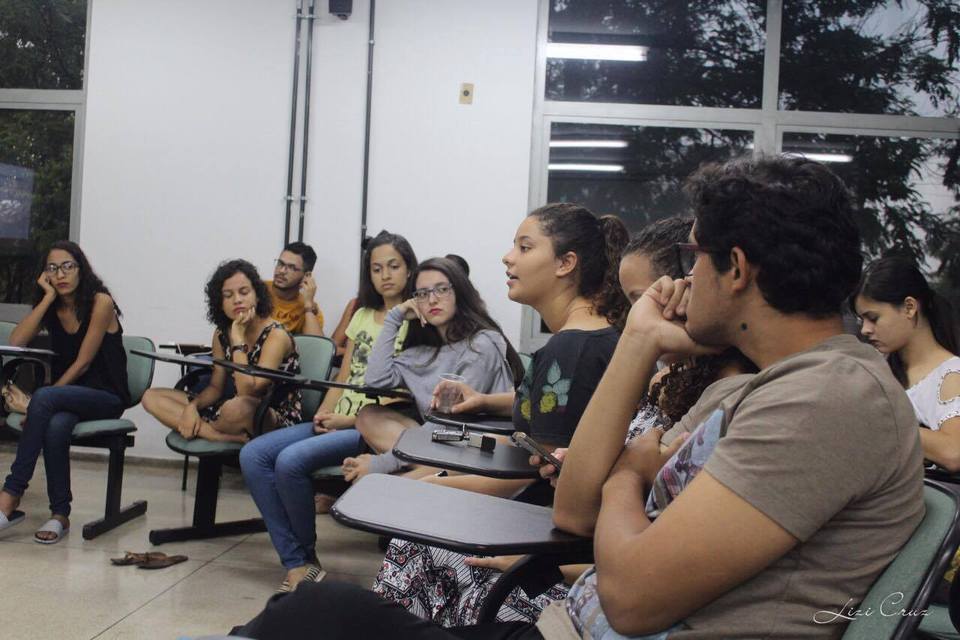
[132, 558]
[161, 561]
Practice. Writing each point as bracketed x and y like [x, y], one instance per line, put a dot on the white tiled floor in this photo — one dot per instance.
[70, 590]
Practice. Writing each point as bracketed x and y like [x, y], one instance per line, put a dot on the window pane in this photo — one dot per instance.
[634, 172]
[690, 53]
[41, 44]
[36, 167]
[906, 189]
[895, 58]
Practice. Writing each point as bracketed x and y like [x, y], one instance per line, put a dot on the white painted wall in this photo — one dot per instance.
[184, 157]
[186, 141]
[452, 178]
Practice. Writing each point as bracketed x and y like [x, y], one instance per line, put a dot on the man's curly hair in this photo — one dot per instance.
[214, 291]
[793, 218]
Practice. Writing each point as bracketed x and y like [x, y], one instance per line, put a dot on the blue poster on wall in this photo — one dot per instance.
[16, 198]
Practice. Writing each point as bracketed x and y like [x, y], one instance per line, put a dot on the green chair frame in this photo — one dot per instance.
[930, 548]
[316, 358]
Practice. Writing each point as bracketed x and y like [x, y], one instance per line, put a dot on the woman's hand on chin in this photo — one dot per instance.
[411, 311]
[44, 282]
[238, 329]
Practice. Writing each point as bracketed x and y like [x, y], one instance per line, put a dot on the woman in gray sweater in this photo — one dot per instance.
[450, 331]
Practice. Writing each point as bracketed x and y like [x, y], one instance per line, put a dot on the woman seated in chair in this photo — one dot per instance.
[449, 588]
[450, 332]
[89, 373]
[564, 264]
[904, 318]
[238, 304]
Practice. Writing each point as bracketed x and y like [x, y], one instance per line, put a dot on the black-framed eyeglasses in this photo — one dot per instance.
[286, 266]
[66, 268]
[687, 255]
[441, 291]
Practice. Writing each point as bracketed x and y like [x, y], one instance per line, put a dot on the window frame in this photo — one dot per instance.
[769, 123]
[74, 100]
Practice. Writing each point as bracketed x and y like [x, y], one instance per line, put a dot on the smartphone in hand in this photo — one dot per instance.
[526, 442]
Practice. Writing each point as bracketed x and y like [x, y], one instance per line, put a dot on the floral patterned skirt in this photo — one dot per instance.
[436, 584]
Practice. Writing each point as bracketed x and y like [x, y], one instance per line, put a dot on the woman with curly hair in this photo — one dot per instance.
[239, 306]
[89, 372]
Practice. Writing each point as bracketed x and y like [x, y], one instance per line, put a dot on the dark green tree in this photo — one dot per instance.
[832, 59]
[41, 47]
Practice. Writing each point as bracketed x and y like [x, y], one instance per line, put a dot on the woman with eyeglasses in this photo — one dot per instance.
[277, 467]
[450, 332]
[89, 373]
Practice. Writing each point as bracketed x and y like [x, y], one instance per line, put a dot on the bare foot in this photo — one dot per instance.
[356, 468]
[50, 535]
[322, 502]
[208, 432]
[8, 503]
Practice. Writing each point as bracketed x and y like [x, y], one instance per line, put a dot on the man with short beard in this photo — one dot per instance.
[768, 514]
[293, 290]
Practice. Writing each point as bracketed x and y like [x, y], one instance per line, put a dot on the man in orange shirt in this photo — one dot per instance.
[293, 289]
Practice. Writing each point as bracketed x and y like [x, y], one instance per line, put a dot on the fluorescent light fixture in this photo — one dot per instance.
[588, 144]
[569, 166]
[821, 157]
[621, 52]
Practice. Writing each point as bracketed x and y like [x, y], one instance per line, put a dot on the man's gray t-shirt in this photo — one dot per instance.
[825, 444]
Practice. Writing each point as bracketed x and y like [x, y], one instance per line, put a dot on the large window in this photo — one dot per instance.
[42, 46]
[632, 171]
[870, 57]
[42, 43]
[632, 95]
[700, 53]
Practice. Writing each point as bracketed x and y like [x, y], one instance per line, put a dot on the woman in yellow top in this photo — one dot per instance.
[278, 465]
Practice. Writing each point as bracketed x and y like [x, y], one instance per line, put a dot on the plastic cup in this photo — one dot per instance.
[449, 394]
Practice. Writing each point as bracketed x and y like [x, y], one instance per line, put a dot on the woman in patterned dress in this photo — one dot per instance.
[239, 305]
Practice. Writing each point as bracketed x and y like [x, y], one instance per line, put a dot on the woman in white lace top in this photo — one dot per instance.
[904, 318]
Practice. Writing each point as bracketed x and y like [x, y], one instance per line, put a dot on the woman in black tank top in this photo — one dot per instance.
[89, 380]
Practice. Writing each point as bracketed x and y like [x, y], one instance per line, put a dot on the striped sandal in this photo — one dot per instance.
[314, 574]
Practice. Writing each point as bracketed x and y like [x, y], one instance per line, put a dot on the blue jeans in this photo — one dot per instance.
[52, 414]
[277, 467]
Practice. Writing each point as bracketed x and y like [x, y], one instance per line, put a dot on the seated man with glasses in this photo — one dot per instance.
[293, 290]
[767, 513]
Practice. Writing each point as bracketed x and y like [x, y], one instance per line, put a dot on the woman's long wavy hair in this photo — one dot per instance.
[88, 288]
[470, 317]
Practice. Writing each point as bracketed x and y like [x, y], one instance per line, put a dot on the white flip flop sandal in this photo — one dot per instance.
[15, 518]
[55, 527]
